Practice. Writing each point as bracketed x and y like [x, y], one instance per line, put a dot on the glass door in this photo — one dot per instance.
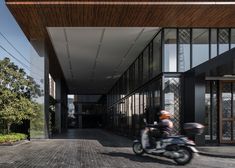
[227, 112]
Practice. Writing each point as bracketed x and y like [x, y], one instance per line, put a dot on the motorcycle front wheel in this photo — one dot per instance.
[186, 156]
[137, 148]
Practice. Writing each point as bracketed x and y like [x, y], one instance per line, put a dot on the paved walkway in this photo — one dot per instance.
[91, 149]
[218, 151]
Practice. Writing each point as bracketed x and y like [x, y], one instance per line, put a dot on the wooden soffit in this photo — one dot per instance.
[34, 16]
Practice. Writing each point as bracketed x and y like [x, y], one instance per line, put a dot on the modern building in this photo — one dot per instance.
[140, 57]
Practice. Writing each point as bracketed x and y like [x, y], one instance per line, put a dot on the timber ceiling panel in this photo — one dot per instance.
[34, 18]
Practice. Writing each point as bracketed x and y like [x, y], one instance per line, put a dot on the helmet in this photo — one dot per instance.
[164, 115]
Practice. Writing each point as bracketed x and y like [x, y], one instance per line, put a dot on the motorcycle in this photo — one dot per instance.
[179, 148]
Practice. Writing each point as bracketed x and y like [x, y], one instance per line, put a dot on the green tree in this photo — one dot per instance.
[17, 91]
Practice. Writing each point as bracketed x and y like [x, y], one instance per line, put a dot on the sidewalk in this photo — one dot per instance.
[218, 151]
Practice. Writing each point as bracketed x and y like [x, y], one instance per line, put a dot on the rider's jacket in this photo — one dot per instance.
[165, 127]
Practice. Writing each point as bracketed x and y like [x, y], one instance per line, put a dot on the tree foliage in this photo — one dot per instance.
[17, 91]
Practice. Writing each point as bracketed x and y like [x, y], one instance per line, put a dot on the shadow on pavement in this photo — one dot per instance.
[103, 137]
[142, 159]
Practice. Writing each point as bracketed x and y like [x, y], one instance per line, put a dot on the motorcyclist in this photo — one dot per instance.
[165, 125]
[157, 130]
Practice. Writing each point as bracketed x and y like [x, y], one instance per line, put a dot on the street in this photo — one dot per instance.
[91, 148]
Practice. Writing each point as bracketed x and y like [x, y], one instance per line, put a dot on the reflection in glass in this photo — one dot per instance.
[232, 38]
[136, 73]
[150, 60]
[234, 131]
[223, 40]
[226, 131]
[137, 107]
[200, 46]
[132, 77]
[214, 110]
[129, 116]
[172, 100]
[184, 50]
[140, 69]
[146, 65]
[233, 88]
[157, 55]
[127, 81]
[170, 50]
[208, 112]
[213, 43]
[226, 100]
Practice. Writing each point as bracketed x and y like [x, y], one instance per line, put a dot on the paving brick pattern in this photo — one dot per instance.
[91, 149]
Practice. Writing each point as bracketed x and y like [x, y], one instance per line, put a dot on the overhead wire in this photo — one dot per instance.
[18, 51]
[23, 64]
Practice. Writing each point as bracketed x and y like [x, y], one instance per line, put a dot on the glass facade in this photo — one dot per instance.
[129, 112]
[15, 46]
[172, 100]
[149, 85]
[170, 58]
[157, 61]
[183, 50]
[223, 39]
[200, 46]
[211, 111]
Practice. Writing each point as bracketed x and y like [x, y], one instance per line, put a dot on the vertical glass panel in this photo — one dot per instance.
[226, 100]
[232, 38]
[146, 105]
[214, 43]
[129, 113]
[234, 131]
[140, 70]
[155, 105]
[184, 50]
[172, 100]
[137, 107]
[233, 115]
[170, 59]
[128, 81]
[226, 130]
[208, 112]
[141, 110]
[200, 46]
[16, 47]
[151, 60]
[132, 76]
[37, 126]
[136, 73]
[125, 84]
[157, 48]
[223, 40]
[214, 110]
[146, 65]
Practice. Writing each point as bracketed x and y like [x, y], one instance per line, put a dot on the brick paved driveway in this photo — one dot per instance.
[91, 149]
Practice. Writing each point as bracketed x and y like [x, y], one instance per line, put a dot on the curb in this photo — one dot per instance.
[216, 155]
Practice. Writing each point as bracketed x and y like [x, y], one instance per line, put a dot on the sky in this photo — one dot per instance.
[13, 43]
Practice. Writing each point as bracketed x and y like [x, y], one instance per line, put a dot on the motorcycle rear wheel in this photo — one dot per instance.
[137, 148]
[187, 156]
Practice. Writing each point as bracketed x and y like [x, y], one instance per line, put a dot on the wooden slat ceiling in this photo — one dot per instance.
[34, 18]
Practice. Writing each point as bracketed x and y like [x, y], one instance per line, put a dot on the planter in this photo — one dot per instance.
[16, 143]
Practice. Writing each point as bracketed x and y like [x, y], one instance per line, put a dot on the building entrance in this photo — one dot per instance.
[227, 112]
